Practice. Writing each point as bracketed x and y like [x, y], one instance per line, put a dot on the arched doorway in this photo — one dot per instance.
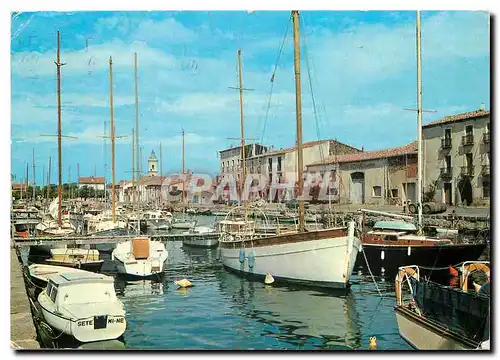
[357, 191]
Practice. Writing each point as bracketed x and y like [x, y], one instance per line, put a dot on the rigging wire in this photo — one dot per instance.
[280, 51]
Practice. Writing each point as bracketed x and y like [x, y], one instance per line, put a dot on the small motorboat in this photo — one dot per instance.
[140, 258]
[40, 273]
[182, 223]
[201, 236]
[85, 259]
[83, 305]
[157, 220]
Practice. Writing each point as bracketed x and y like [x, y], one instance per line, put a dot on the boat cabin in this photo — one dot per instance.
[399, 233]
[80, 288]
[236, 227]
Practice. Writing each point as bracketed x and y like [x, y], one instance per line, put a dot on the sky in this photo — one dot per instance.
[360, 66]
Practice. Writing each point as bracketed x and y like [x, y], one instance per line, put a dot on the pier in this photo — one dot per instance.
[22, 329]
[81, 240]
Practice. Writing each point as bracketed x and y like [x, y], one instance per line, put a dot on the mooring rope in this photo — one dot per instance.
[370, 271]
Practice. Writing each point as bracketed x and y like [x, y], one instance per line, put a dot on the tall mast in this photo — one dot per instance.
[242, 127]
[59, 132]
[137, 112]
[183, 168]
[161, 165]
[48, 177]
[298, 109]
[419, 125]
[69, 181]
[112, 135]
[133, 169]
[34, 176]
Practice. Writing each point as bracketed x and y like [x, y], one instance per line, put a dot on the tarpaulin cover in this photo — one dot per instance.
[465, 313]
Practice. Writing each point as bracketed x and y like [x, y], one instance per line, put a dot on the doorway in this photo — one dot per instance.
[447, 193]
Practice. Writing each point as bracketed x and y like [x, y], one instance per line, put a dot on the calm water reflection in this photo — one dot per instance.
[224, 311]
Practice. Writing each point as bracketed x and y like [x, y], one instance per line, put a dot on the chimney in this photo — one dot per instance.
[362, 148]
[482, 106]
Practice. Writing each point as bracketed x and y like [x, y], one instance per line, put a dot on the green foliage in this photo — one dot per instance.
[428, 195]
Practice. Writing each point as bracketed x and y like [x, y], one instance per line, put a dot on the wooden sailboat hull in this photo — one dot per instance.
[319, 259]
[424, 334]
[390, 257]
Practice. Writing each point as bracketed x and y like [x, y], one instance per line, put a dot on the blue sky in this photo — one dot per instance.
[362, 67]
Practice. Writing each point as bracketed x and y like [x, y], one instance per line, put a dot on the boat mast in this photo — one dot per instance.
[34, 176]
[133, 170]
[137, 115]
[59, 133]
[112, 135]
[298, 109]
[183, 168]
[419, 125]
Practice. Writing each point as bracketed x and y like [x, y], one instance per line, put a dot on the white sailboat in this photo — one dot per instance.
[83, 305]
[140, 257]
[201, 236]
[322, 258]
[50, 225]
[158, 220]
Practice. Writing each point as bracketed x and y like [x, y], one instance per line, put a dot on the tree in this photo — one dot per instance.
[431, 192]
[84, 192]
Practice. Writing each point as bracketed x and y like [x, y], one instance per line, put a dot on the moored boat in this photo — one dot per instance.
[201, 236]
[392, 244]
[443, 317]
[140, 258]
[85, 259]
[83, 305]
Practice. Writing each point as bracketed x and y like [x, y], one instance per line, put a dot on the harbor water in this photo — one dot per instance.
[223, 311]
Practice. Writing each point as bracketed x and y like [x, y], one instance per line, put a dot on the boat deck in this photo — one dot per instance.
[22, 330]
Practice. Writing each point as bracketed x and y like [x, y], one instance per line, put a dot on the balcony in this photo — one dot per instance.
[486, 137]
[468, 140]
[446, 173]
[485, 170]
[446, 143]
[467, 170]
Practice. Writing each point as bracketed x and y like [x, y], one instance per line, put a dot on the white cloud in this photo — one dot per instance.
[168, 30]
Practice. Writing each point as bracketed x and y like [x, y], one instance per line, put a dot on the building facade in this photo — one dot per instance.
[456, 152]
[95, 182]
[152, 164]
[372, 177]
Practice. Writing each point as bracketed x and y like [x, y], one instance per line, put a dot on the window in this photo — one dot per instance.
[53, 294]
[468, 130]
[468, 160]
[447, 133]
[377, 191]
[486, 188]
[152, 166]
[447, 161]
[394, 193]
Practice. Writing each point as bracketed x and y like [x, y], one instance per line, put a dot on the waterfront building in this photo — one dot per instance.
[372, 177]
[95, 182]
[456, 151]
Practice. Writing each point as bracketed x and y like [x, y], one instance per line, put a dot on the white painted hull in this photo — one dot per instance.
[153, 266]
[201, 241]
[82, 329]
[159, 224]
[423, 337]
[324, 263]
[186, 225]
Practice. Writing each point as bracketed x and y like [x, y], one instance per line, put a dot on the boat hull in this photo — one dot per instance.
[321, 262]
[83, 329]
[141, 269]
[206, 241]
[92, 266]
[183, 225]
[423, 334]
[390, 257]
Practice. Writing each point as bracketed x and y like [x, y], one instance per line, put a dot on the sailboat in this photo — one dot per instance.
[320, 258]
[139, 257]
[440, 316]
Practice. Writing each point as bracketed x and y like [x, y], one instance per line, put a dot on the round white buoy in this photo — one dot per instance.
[269, 279]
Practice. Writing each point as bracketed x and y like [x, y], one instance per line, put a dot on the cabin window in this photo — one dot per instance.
[53, 294]
[391, 237]
[377, 191]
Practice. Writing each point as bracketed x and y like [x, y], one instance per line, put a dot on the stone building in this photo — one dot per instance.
[373, 177]
[152, 164]
[95, 182]
[456, 152]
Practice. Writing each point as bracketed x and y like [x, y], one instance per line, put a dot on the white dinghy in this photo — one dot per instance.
[83, 305]
[140, 257]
